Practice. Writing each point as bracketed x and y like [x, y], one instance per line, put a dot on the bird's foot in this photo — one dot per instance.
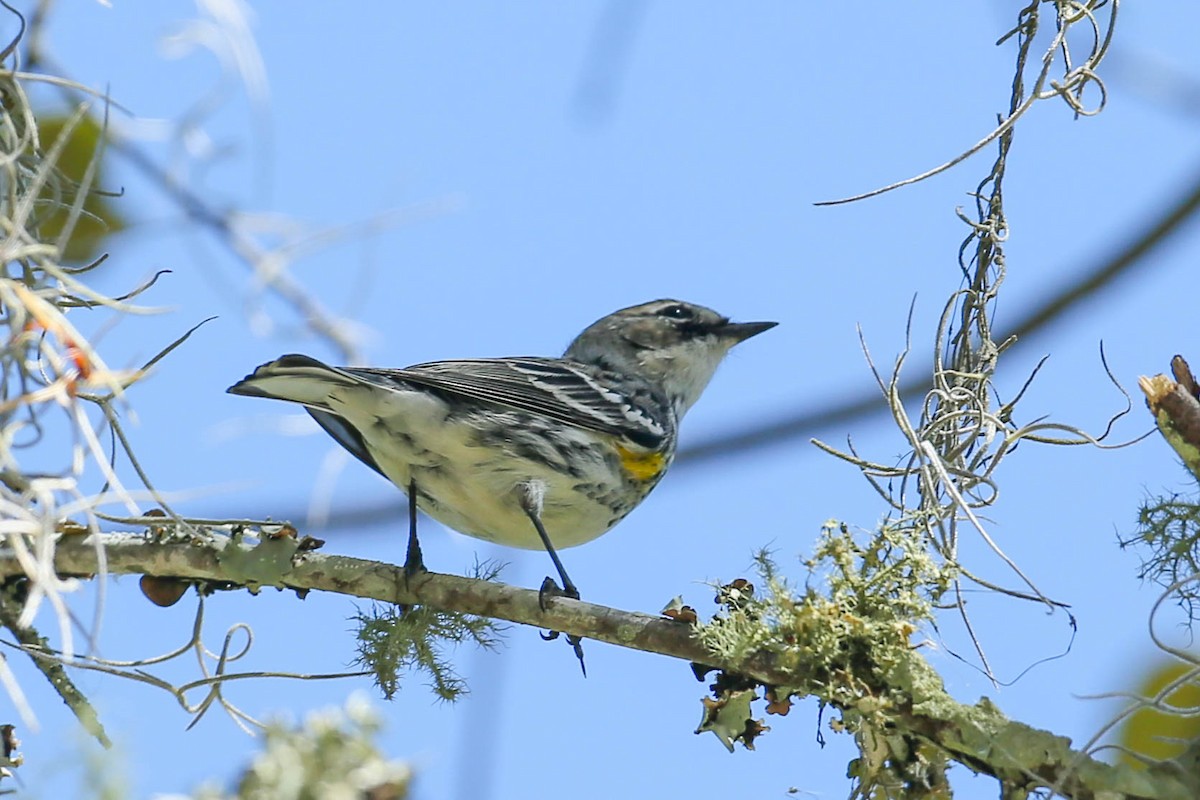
[550, 590]
[414, 565]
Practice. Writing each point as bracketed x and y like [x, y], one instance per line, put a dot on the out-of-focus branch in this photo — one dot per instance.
[1122, 259]
[1125, 255]
[915, 706]
[229, 39]
[606, 59]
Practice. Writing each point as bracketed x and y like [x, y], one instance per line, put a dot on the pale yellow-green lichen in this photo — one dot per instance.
[854, 621]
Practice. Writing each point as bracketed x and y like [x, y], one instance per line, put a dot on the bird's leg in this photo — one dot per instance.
[414, 563]
[531, 495]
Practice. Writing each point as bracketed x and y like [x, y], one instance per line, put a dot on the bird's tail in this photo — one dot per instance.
[296, 378]
[300, 379]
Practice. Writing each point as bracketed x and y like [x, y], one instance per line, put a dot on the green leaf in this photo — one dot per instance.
[1158, 734]
[83, 144]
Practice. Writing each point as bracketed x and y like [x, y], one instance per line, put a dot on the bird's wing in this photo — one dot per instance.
[575, 394]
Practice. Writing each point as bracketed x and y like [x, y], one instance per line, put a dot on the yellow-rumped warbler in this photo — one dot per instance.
[527, 451]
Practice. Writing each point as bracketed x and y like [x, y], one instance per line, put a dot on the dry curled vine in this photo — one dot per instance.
[213, 665]
[55, 387]
[964, 431]
[1098, 19]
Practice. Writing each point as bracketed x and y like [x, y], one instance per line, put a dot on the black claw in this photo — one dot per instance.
[548, 590]
[576, 643]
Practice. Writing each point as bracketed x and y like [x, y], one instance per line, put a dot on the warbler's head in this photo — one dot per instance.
[673, 345]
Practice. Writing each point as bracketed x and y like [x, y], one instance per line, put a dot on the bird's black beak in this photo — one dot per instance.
[741, 331]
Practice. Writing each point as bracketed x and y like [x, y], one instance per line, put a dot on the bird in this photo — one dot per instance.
[526, 451]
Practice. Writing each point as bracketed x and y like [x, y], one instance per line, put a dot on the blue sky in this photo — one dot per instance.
[535, 210]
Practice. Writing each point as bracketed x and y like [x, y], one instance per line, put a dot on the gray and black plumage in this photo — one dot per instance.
[497, 447]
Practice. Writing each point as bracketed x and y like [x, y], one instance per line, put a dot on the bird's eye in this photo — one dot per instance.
[677, 312]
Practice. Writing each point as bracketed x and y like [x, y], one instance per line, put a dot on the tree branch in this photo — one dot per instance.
[977, 736]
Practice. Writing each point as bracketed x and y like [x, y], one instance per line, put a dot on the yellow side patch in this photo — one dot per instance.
[642, 466]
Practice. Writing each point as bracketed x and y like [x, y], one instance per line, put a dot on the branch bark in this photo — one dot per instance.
[978, 736]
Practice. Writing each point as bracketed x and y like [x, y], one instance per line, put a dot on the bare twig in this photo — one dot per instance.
[55, 672]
